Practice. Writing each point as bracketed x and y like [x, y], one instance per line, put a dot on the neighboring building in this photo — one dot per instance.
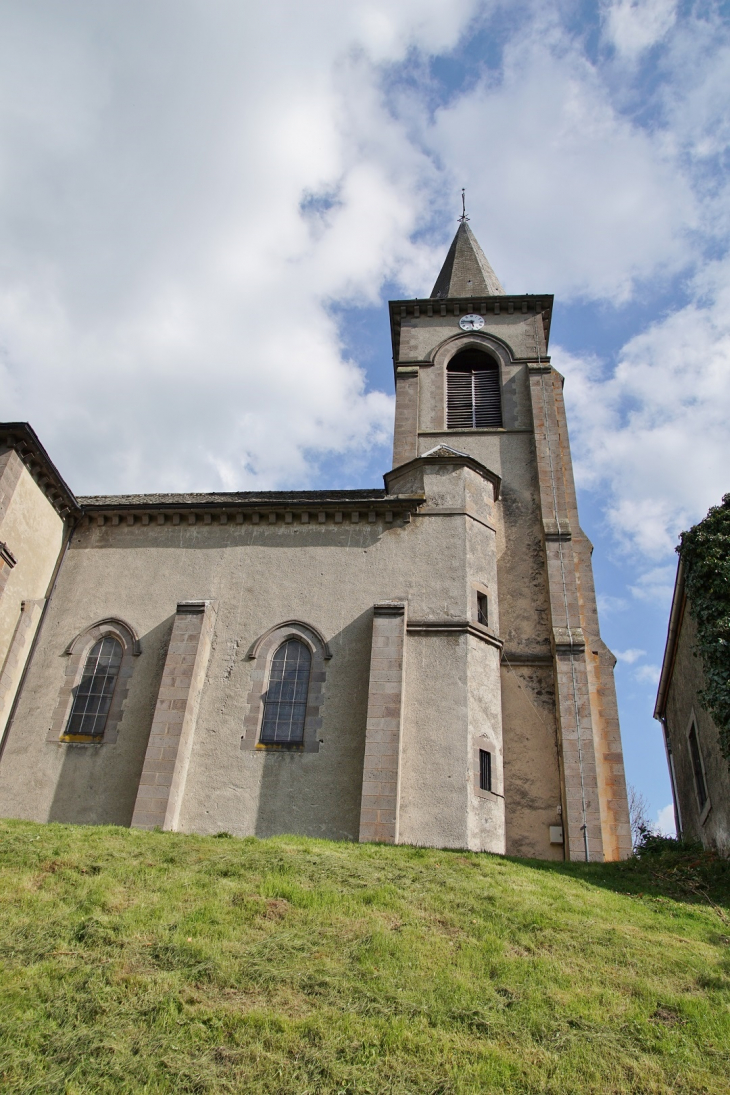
[698, 771]
[419, 664]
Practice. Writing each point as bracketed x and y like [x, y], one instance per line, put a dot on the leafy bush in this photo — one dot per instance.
[651, 843]
[705, 552]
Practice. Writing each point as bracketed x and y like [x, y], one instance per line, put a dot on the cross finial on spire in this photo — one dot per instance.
[463, 216]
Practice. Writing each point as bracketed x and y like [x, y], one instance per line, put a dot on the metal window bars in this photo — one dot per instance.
[285, 701]
[485, 770]
[93, 695]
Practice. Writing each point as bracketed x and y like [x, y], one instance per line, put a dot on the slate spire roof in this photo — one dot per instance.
[466, 271]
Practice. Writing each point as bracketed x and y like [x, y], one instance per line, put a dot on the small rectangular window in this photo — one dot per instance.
[694, 749]
[485, 770]
[482, 609]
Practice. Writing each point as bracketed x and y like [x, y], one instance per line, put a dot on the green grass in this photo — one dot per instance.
[155, 962]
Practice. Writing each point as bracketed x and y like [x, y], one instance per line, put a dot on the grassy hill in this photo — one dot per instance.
[155, 962]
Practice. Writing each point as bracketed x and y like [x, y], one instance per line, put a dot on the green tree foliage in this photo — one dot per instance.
[705, 552]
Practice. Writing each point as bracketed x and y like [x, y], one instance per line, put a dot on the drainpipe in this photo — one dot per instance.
[672, 777]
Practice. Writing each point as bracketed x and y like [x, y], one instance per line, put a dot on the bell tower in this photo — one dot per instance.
[473, 377]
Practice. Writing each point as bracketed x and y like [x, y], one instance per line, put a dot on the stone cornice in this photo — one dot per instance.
[442, 455]
[389, 608]
[569, 640]
[507, 304]
[411, 366]
[286, 511]
[522, 657]
[451, 627]
[559, 531]
[21, 437]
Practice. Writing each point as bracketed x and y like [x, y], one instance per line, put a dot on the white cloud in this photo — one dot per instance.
[629, 656]
[655, 430]
[696, 94]
[647, 674]
[187, 189]
[665, 824]
[164, 293]
[592, 201]
[650, 433]
[609, 604]
[655, 586]
[633, 26]
[575, 196]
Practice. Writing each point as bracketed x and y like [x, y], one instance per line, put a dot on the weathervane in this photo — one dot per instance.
[463, 216]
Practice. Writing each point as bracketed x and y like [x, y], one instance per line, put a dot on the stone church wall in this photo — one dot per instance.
[454, 625]
[710, 826]
[328, 576]
[528, 696]
[33, 532]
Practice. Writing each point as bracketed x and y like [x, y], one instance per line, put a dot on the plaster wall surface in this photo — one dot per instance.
[34, 532]
[486, 828]
[464, 686]
[682, 706]
[536, 720]
[531, 766]
[327, 575]
[420, 336]
[529, 728]
[435, 742]
[54, 781]
[452, 692]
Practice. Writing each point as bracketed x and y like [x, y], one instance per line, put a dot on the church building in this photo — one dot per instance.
[419, 663]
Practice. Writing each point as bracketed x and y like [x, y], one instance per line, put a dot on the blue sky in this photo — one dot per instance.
[204, 207]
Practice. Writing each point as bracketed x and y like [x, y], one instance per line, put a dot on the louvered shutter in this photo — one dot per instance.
[487, 402]
[473, 399]
[460, 401]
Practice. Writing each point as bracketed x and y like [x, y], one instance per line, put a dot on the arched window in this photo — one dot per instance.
[472, 391]
[95, 691]
[285, 702]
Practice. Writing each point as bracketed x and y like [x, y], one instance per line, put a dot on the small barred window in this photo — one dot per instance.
[94, 693]
[473, 397]
[485, 770]
[285, 701]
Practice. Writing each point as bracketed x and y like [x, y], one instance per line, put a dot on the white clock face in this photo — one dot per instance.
[471, 322]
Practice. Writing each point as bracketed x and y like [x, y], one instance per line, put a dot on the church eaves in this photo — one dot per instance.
[466, 271]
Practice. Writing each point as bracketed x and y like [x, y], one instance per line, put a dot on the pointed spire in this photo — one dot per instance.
[466, 271]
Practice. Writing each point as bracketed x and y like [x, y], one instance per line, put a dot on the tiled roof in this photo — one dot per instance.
[232, 498]
[466, 271]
